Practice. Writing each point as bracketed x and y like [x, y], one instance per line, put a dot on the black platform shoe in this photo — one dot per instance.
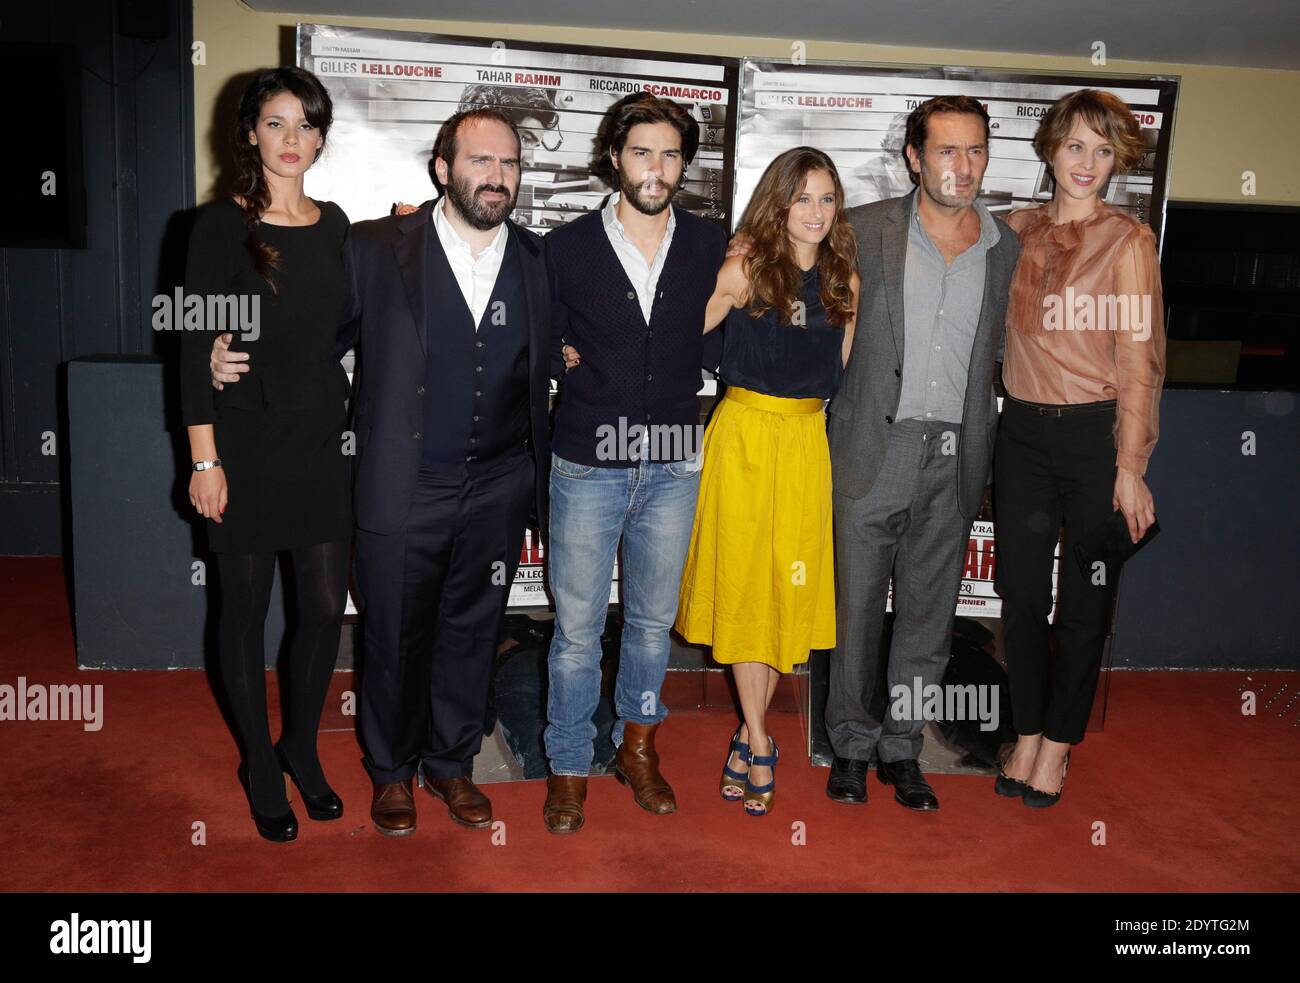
[277, 829]
[320, 807]
[848, 781]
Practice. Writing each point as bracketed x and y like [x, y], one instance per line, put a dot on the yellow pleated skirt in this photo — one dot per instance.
[759, 581]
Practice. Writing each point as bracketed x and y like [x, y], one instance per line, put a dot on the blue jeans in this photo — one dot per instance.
[652, 508]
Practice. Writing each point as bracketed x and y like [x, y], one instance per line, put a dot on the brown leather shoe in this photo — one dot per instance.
[467, 805]
[393, 808]
[637, 764]
[564, 797]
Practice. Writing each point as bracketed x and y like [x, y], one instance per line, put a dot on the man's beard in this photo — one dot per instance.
[482, 215]
[934, 188]
[647, 206]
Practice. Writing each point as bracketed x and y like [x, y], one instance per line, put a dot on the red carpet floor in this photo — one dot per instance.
[1189, 794]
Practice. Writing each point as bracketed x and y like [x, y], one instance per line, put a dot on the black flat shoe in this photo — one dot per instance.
[1012, 788]
[277, 829]
[910, 787]
[319, 807]
[1038, 799]
[848, 781]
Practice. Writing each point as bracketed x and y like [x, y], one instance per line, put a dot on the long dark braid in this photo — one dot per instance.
[250, 179]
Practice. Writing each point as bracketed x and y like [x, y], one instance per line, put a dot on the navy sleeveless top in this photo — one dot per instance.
[769, 356]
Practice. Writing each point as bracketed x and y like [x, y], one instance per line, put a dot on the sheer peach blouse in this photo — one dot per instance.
[1085, 321]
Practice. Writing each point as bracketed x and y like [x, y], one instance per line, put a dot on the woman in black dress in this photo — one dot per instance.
[270, 468]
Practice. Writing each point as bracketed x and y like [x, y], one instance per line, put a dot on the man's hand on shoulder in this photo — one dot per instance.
[740, 245]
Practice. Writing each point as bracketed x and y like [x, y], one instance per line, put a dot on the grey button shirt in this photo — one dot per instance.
[941, 310]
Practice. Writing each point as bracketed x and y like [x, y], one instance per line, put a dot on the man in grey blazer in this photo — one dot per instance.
[911, 439]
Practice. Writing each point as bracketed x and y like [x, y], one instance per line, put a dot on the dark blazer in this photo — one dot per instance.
[386, 320]
[862, 411]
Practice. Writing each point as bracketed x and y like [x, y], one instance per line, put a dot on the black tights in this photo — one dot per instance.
[317, 577]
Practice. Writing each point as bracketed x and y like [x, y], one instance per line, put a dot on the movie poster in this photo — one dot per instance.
[858, 114]
[393, 89]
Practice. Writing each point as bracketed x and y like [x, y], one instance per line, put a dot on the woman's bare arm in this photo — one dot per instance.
[731, 291]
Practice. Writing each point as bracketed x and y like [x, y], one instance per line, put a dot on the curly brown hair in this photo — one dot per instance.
[1103, 113]
[774, 276]
[632, 110]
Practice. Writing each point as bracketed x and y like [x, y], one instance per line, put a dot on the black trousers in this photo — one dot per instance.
[434, 595]
[1049, 471]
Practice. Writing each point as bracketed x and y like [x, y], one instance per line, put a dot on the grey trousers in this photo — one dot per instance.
[907, 524]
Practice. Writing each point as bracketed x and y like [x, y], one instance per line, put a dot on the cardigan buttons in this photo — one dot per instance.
[631, 295]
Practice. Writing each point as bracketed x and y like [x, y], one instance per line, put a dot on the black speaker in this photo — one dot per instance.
[144, 585]
[1217, 588]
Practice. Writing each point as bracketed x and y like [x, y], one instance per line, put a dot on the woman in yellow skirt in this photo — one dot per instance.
[759, 581]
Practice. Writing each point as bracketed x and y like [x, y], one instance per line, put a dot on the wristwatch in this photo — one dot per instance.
[205, 465]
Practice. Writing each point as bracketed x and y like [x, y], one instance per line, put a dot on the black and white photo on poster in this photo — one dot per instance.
[858, 113]
[393, 89]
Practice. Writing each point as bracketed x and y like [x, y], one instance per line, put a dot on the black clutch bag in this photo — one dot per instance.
[1110, 545]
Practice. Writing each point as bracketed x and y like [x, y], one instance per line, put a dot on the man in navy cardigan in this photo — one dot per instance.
[629, 286]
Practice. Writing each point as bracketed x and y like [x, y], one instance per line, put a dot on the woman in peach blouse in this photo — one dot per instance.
[1085, 355]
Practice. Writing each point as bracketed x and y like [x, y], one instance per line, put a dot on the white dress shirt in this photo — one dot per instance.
[644, 276]
[476, 277]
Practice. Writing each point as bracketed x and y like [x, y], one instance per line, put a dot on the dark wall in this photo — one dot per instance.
[59, 304]
[1219, 588]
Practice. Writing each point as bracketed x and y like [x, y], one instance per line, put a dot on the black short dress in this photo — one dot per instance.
[281, 430]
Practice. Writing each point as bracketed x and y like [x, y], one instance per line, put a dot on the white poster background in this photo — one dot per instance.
[393, 89]
[857, 114]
